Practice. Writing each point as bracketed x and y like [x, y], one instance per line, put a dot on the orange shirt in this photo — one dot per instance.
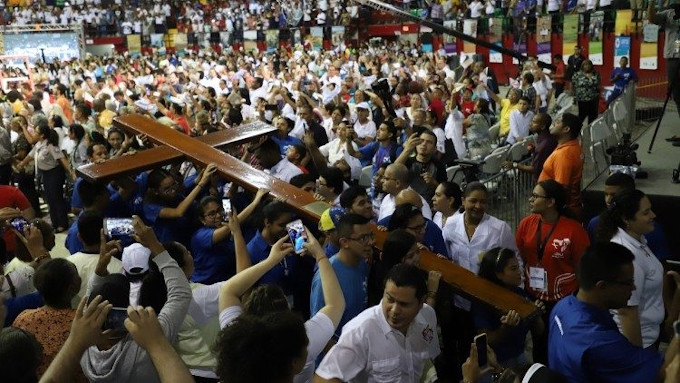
[65, 106]
[565, 165]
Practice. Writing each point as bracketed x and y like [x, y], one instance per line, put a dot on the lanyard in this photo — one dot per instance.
[540, 245]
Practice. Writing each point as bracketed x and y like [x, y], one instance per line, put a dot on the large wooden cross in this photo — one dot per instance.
[244, 175]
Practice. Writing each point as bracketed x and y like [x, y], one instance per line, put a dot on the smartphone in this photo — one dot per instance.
[298, 235]
[480, 342]
[118, 227]
[19, 224]
[115, 320]
[226, 206]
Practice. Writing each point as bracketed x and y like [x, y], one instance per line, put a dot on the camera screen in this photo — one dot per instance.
[298, 235]
[118, 227]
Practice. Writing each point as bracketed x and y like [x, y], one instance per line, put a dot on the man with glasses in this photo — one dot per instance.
[350, 265]
[585, 344]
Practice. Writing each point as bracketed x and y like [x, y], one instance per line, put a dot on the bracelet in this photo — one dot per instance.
[515, 165]
[42, 257]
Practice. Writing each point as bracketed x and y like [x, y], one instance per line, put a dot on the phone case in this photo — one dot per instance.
[298, 235]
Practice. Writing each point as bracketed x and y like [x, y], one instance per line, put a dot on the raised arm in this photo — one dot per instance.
[181, 209]
[236, 286]
[332, 293]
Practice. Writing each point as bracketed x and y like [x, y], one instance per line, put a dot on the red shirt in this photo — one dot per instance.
[437, 106]
[468, 108]
[563, 250]
[560, 71]
[11, 196]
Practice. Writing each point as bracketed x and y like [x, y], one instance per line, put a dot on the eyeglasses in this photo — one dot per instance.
[535, 196]
[366, 239]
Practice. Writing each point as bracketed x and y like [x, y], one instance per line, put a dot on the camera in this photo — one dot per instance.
[624, 152]
[382, 89]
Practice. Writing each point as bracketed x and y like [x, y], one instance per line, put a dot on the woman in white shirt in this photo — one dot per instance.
[335, 150]
[626, 221]
[446, 202]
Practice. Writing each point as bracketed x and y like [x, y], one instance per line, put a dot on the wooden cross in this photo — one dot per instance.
[302, 202]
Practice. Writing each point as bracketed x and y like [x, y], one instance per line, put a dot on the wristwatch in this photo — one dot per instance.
[515, 165]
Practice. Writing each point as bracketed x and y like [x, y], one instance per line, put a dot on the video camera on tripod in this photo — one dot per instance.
[624, 159]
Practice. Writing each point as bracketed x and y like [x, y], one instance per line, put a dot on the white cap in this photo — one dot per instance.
[363, 105]
[136, 259]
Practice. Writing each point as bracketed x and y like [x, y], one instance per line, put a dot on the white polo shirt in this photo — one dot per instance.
[284, 170]
[647, 295]
[369, 350]
[519, 125]
[388, 205]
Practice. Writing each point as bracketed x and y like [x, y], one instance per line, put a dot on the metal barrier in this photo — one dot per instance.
[509, 192]
[648, 98]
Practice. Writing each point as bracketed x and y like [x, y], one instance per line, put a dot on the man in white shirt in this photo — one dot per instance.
[520, 121]
[269, 156]
[395, 180]
[389, 342]
[364, 127]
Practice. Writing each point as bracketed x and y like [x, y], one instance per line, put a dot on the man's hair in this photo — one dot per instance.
[90, 224]
[274, 210]
[602, 262]
[574, 123]
[346, 225]
[260, 349]
[545, 119]
[20, 355]
[352, 193]
[405, 275]
[429, 133]
[525, 98]
[622, 180]
[53, 280]
[265, 299]
[114, 288]
[301, 180]
[89, 191]
[400, 173]
[334, 180]
[90, 148]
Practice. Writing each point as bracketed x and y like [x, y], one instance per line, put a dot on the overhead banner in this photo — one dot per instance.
[624, 24]
[272, 38]
[316, 38]
[250, 41]
[337, 36]
[595, 36]
[470, 29]
[450, 40]
[569, 35]
[543, 26]
[650, 46]
[496, 38]
[134, 45]
[621, 49]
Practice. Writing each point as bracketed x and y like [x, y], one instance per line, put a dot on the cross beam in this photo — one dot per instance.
[304, 203]
[163, 155]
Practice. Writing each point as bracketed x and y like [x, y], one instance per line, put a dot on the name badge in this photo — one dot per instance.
[538, 278]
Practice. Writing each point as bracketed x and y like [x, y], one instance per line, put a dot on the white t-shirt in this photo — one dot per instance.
[365, 130]
[476, 9]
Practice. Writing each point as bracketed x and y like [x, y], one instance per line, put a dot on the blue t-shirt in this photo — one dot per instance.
[284, 143]
[212, 262]
[489, 319]
[433, 237]
[72, 243]
[167, 229]
[354, 285]
[330, 249]
[116, 207]
[656, 240]
[378, 154]
[585, 345]
[625, 75]
[282, 273]
[25, 302]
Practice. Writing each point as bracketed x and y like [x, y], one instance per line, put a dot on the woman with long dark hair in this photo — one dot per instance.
[551, 243]
[53, 168]
[506, 333]
[626, 221]
[446, 202]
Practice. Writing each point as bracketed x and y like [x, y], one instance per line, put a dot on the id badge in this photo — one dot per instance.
[538, 278]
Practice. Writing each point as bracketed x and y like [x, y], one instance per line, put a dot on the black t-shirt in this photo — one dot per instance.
[416, 169]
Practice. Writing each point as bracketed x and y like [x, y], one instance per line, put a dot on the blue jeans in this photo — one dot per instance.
[53, 185]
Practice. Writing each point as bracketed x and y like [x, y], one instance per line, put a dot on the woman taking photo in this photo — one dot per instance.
[477, 130]
[587, 84]
[626, 221]
[506, 333]
[551, 243]
[53, 168]
[446, 202]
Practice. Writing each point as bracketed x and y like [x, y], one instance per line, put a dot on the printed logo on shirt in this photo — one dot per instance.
[560, 246]
[428, 334]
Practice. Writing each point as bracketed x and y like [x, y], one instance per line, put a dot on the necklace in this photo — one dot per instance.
[470, 228]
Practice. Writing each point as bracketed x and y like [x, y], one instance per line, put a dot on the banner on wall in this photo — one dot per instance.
[272, 38]
[543, 25]
[621, 48]
[250, 41]
[470, 29]
[181, 42]
[316, 38]
[650, 46]
[134, 45]
[157, 40]
[624, 23]
[569, 35]
[449, 40]
[495, 37]
[595, 37]
[337, 36]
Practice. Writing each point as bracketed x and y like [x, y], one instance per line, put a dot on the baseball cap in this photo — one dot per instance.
[539, 373]
[330, 218]
[363, 105]
[136, 259]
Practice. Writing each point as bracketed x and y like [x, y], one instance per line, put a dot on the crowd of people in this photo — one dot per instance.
[210, 288]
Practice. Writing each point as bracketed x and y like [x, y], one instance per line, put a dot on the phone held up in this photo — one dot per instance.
[118, 227]
[481, 343]
[298, 235]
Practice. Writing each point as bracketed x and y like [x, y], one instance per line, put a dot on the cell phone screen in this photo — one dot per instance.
[226, 206]
[480, 342]
[118, 227]
[298, 235]
[115, 320]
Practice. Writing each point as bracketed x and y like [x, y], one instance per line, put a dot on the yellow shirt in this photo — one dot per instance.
[506, 109]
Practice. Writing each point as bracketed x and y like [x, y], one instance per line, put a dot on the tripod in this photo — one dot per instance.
[669, 92]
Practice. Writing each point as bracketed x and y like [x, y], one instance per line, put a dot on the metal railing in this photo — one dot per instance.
[509, 192]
